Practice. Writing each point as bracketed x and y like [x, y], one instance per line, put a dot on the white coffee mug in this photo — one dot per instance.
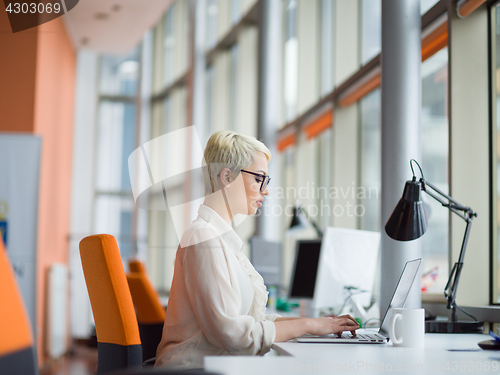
[407, 327]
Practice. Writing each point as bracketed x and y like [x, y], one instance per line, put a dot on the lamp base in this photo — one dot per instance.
[453, 327]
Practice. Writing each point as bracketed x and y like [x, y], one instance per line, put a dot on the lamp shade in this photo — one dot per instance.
[408, 220]
[297, 222]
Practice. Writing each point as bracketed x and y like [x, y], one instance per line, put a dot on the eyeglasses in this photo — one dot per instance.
[265, 179]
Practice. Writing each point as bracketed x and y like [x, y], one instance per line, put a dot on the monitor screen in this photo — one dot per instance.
[306, 267]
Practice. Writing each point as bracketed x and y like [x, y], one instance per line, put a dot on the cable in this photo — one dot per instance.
[412, 171]
[365, 323]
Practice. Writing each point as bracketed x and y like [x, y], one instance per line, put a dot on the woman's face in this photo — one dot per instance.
[243, 194]
[252, 183]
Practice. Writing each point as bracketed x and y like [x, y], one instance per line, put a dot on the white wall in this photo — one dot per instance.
[469, 155]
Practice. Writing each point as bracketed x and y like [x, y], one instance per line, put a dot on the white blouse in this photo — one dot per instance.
[217, 300]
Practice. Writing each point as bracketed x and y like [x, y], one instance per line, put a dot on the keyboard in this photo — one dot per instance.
[363, 336]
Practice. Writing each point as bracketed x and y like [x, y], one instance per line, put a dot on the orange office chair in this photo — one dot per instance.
[149, 310]
[135, 265]
[17, 353]
[118, 339]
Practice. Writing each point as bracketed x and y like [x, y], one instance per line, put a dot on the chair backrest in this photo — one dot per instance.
[118, 339]
[135, 265]
[150, 312]
[17, 354]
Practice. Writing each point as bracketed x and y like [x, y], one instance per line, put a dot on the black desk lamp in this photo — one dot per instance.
[408, 222]
[298, 222]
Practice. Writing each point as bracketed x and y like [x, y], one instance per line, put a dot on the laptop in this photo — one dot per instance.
[382, 336]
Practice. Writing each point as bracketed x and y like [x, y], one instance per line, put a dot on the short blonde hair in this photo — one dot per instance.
[227, 149]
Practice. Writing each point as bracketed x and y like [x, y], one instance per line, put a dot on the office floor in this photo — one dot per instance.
[81, 361]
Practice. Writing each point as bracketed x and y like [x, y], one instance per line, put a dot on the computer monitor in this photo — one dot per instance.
[307, 254]
[324, 269]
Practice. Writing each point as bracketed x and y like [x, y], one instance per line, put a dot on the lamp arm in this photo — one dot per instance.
[444, 204]
[318, 231]
[450, 290]
[454, 206]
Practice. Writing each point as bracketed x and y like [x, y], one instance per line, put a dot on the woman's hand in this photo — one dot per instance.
[336, 325]
[289, 329]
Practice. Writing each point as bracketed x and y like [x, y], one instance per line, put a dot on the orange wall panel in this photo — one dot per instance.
[54, 110]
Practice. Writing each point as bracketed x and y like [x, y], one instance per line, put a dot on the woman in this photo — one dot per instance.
[217, 300]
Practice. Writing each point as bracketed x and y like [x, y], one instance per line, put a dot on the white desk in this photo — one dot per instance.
[434, 358]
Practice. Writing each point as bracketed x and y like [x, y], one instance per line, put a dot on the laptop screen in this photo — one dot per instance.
[402, 289]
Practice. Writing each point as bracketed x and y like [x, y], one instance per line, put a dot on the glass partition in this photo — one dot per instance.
[435, 160]
[116, 134]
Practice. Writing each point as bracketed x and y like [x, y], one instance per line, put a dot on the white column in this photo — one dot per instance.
[269, 105]
[401, 105]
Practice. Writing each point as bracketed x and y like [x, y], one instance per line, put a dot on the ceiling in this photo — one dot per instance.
[112, 26]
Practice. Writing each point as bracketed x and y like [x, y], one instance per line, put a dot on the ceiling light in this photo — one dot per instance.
[101, 16]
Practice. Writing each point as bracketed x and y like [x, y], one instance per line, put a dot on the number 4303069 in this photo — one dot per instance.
[33, 8]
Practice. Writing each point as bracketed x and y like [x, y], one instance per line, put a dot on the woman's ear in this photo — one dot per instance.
[225, 176]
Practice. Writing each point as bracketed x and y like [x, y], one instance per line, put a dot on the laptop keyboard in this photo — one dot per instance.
[363, 336]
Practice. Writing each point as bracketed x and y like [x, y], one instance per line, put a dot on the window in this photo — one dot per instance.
[118, 75]
[287, 198]
[371, 34]
[114, 207]
[434, 133]
[209, 102]
[169, 46]
[291, 60]
[233, 84]
[371, 26]
[324, 165]
[368, 193]
[327, 45]
[425, 5]
[211, 40]
[235, 11]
